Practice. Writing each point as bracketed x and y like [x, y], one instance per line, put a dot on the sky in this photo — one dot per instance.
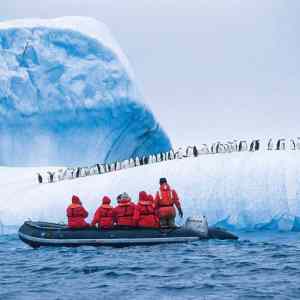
[210, 70]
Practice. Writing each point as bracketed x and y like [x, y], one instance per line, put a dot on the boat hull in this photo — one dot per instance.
[37, 234]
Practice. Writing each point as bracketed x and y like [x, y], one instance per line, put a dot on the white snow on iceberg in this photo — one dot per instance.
[247, 190]
[68, 96]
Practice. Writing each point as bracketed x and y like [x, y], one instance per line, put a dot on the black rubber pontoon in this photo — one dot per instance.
[37, 234]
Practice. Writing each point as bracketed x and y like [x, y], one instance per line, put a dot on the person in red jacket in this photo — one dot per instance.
[104, 216]
[124, 211]
[165, 200]
[144, 213]
[76, 214]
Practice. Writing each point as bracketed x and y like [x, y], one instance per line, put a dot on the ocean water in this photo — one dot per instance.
[261, 265]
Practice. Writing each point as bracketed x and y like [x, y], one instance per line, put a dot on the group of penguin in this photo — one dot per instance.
[191, 151]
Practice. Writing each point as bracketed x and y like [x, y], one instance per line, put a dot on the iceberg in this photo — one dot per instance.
[242, 190]
[68, 96]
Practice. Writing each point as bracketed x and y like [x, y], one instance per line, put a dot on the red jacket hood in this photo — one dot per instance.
[106, 200]
[76, 200]
[143, 196]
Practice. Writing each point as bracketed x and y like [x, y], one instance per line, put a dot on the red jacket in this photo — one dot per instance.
[144, 214]
[165, 200]
[123, 213]
[104, 215]
[76, 214]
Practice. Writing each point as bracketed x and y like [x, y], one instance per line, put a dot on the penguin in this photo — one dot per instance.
[77, 173]
[292, 144]
[270, 145]
[235, 146]
[243, 146]
[113, 167]
[257, 145]
[189, 151]
[125, 164]
[102, 169]
[229, 147]
[137, 161]
[40, 178]
[142, 160]
[153, 159]
[171, 154]
[179, 154]
[218, 147]
[298, 143]
[98, 168]
[118, 166]
[51, 176]
[163, 156]
[280, 145]
[204, 149]
[157, 157]
[131, 163]
[146, 160]
[195, 151]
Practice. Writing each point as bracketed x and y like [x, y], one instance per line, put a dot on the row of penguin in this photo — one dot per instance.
[191, 151]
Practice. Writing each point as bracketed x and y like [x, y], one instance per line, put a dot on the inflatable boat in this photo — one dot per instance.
[37, 234]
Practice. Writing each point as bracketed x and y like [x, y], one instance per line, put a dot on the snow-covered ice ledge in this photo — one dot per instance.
[246, 190]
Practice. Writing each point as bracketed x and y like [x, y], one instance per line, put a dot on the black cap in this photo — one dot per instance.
[162, 180]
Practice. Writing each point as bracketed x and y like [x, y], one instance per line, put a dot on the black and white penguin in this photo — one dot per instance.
[235, 146]
[98, 168]
[51, 176]
[157, 156]
[243, 146]
[270, 145]
[195, 151]
[171, 155]
[131, 163]
[189, 151]
[125, 164]
[292, 144]
[40, 178]
[179, 153]
[298, 143]
[137, 162]
[77, 173]
[280, 145]
[254, 146]
[118, 166]
[146, 160]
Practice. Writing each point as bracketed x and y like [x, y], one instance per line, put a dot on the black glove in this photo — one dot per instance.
[180, 212]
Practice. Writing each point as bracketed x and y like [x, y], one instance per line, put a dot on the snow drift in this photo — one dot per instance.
[246, 190]
[68, 96]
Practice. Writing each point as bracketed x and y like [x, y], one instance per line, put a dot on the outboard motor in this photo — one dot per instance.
[198, 225]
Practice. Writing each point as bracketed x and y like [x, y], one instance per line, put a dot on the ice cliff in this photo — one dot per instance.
[68, 96]
[246, 190]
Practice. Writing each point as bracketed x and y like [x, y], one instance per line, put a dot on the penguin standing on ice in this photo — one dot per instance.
[280, 144]
[292, 144]
[77, 174]
[270, 145]
[40, 178]
[242, 146]
[195, 151]
[51, 176]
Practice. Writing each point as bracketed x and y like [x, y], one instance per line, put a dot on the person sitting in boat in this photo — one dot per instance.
[124, 211]
[76, 214]
[144, 213]
[164, 201]
[104, 216]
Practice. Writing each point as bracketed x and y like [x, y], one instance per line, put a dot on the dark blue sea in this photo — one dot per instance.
[261, 265]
